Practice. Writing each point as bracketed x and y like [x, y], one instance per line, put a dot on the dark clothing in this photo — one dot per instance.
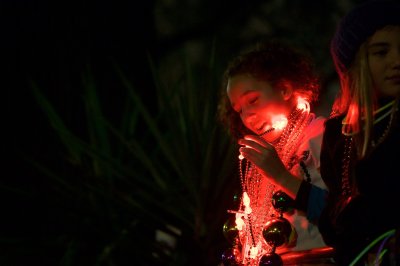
[375, 180]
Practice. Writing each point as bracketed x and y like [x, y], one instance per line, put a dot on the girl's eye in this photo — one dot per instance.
[253, 100]
[380, 52]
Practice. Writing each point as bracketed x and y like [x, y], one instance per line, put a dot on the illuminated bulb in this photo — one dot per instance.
[246, 203]
[279, 121]
[239, 222]
[253, 252]
[302, 104]
[241, 157]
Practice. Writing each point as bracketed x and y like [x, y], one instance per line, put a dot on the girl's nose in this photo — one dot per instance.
[395, 59]
[246, 112]
[248, 116]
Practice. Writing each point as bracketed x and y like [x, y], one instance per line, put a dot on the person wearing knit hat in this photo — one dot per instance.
[359, 24]
[359, 153]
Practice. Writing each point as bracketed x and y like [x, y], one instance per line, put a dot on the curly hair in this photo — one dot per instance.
[276, 63]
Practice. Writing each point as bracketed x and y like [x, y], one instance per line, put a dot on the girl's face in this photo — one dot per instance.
[384, 61]
[258, 104]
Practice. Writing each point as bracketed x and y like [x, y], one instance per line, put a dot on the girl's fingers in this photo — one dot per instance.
[258, 139]
[252, 145]
[255, 142]
[251, 155]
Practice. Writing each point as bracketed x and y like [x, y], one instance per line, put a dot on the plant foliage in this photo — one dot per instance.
[150, 188]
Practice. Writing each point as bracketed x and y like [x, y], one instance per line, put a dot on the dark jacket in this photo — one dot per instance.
[375, 207]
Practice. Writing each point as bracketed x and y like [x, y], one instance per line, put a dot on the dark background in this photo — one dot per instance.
[51, 43]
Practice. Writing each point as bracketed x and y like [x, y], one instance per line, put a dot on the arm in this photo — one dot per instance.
[331, 158]
[311, 199]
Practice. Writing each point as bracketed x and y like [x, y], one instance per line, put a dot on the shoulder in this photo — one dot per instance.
[313, 138]
[315, 128]
[333, 127]
[318, 121]
[334, 122]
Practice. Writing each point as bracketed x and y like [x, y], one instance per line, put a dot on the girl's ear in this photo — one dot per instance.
[287, 90]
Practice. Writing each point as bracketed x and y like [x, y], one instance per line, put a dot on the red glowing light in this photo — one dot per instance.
[279, 121]
[303, 104]
[349, 123]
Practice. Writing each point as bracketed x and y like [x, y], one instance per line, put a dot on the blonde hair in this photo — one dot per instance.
[358, 102]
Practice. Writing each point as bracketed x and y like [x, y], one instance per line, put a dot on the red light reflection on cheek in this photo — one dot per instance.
[279, 121]
[302, 104]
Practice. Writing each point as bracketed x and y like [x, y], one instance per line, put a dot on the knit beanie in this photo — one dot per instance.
[359, 24]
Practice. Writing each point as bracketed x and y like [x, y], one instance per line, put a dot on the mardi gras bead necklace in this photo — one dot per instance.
[393, 116]
[348, 143]
[260, 225]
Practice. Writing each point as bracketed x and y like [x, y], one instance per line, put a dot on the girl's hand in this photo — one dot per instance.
[264, 156]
